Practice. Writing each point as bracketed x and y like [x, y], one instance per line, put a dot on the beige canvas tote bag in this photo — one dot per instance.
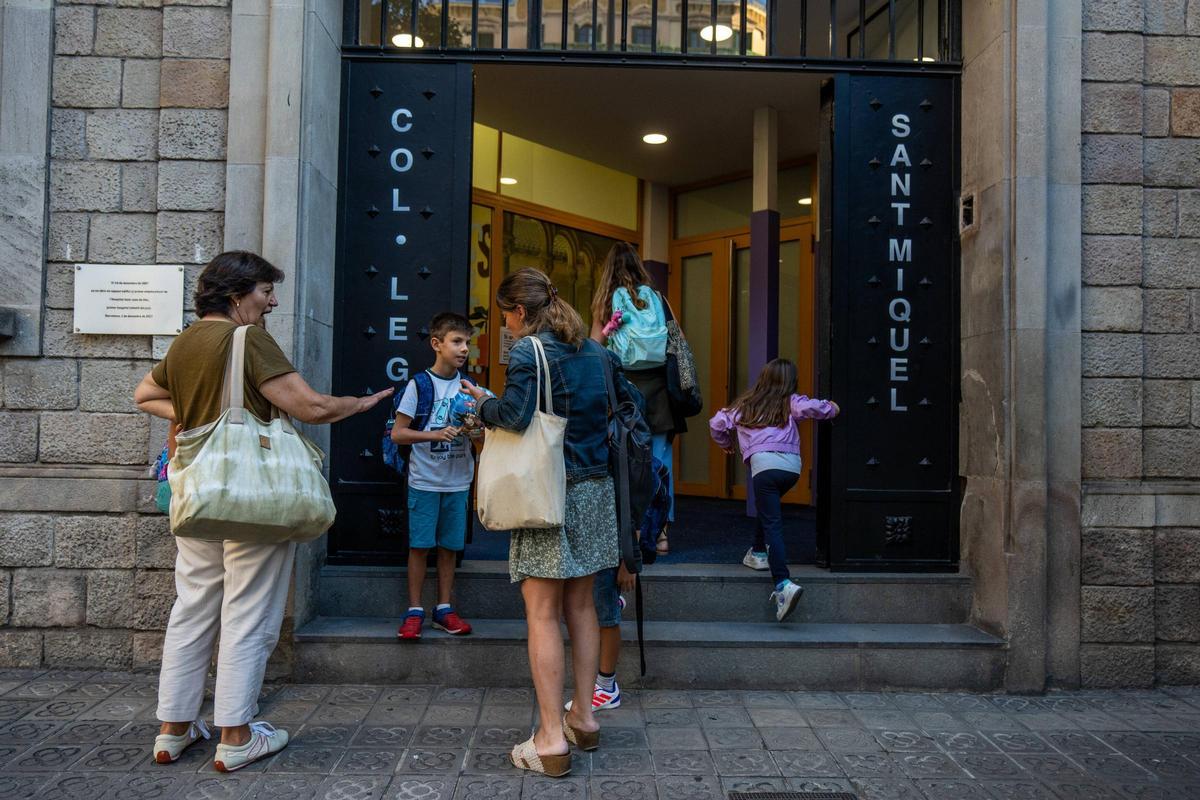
[244, 479]
[522, 479]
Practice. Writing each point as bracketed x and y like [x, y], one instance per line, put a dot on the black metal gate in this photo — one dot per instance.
[892, 468]
[403, 249]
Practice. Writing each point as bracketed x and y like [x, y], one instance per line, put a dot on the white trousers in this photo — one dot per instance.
[238, 590]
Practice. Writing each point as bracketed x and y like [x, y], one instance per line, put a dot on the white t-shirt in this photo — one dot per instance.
[438, 466]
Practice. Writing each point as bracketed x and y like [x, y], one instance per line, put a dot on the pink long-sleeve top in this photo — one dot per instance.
[783, 439]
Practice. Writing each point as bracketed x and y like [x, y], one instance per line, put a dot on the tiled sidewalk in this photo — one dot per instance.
[88, 735]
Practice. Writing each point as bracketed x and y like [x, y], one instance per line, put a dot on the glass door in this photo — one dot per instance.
[710, 292]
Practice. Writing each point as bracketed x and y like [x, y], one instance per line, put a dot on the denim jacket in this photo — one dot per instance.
[578, 392]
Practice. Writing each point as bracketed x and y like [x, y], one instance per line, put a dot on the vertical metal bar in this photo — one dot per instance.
[504, 24]
[624, 25]
[862, 28]
[595, 19]
[383, 23]
[803, 28]
[564, 23]
[772, 25]
[712, 17]
[653, 26]
[412, 22]
[920, 30]
[833, 34]
[942, 30]
[446, 23]
[742, 29]
[891, 30]
[683, 22]
[534, 37]
[474, 24]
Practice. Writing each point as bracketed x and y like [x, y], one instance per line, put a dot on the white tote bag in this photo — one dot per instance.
[245, 479]
[522, 479]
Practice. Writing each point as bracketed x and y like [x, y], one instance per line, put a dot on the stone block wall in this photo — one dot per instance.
[139, 96]
[1140, 569]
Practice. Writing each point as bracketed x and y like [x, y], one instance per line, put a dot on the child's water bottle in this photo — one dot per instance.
[463, 410]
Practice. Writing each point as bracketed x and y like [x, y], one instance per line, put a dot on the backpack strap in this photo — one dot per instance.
[425, 395]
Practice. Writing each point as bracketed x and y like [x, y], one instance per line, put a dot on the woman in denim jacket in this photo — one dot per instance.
[556, 566]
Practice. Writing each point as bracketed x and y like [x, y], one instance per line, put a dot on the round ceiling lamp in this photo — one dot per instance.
[805, 201]
[655, 138]
[509, 181]
[724, 33]
[407, 40]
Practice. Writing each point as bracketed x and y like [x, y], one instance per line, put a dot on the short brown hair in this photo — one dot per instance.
[229, 275]
[448, 322]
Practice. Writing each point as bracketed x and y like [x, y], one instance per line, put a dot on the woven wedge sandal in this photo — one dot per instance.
[525, 756]
[584, 740]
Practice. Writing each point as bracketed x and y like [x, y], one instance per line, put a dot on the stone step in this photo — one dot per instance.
[712, 655]
[673, 592]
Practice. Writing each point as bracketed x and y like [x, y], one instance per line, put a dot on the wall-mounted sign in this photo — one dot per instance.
[895, 324]
[130, 299]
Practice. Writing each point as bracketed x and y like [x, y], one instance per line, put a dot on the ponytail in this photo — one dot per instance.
[544, 309]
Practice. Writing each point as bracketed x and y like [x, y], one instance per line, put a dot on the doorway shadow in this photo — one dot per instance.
[705, 531]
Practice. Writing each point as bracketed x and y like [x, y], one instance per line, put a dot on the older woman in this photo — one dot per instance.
[231, 588]
[556, 566]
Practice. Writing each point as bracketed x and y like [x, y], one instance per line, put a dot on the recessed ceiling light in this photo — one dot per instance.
[509, 181]
[655, 138]
[407, 40]
[724, 33]
[805, 201]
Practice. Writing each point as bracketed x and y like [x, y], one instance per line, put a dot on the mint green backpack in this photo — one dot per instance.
[641, 341]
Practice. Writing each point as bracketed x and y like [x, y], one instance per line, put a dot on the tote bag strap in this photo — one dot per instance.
[543, 393]
[233, 395]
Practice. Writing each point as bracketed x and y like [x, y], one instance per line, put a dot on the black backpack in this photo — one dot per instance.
[631, 464]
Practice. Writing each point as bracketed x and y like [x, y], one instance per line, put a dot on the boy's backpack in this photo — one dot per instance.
[641, 341]
[396, 455]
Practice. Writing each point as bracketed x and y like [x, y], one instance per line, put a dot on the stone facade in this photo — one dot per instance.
[1140, 564]
[138, 97]
[151, 146]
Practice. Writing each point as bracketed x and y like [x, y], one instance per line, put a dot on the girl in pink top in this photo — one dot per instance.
[765, 418]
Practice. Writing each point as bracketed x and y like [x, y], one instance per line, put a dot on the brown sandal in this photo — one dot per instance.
[584, 740]
[525, 756]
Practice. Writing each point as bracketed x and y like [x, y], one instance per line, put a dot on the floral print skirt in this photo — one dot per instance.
[586, 544]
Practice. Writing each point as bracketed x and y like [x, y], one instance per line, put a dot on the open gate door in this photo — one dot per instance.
[890, 331]
[403, 251]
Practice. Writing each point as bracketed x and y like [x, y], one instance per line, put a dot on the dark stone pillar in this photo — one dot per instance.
[764, 291]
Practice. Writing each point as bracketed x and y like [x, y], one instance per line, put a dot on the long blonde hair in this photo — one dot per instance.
[622, 268]
[768, 403]
[544, 309]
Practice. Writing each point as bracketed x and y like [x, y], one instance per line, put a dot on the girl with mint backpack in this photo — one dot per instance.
[629, 318]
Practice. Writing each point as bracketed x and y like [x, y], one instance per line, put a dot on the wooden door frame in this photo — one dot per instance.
[723, 246]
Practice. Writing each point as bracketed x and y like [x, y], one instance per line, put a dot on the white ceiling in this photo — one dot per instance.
[600, 113]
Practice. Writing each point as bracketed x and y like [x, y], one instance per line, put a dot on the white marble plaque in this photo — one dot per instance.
[131, 299]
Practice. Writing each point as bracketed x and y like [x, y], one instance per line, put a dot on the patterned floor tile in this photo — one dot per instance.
[621, 762]
[71, 786]
[145, 787]
[988, 766]
[886, 789]
[848, 740]
[306, 760]
[666, 699]
[676, 739]
[671, 717]
[744, 763]
[819, 784]
[612, 787]
[450, 714]
[953, 790]
[442, 736]
[19, 787]
[790, 738]
[766, 699]
[817, 700]
[1019, 790]
[368, 761]
[776, 717]
[214, 786]
[508, 696]
[623, 738]
[311, 735]
[488, 787]
[450, 694]
[495, 736]
[724, 717]
[682, 762]
[484, 761]
[737, 738]
[420, 787]
[542, 788]
[817, 763]
[689, 787]
[46, 758]
[285, 787]
[905, 741]
[353, 787]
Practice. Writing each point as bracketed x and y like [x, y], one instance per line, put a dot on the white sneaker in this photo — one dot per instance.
[602, 699]
[168, 748]
[265, 740]
[755, 560]
[786, 599]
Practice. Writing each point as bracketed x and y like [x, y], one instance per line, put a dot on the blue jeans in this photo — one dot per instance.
[606, 595]
[769, 488]
[660, 448]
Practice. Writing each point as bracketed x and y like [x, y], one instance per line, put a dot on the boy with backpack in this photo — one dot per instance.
[440, 469]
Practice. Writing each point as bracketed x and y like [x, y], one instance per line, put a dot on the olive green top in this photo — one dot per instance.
[193, 371]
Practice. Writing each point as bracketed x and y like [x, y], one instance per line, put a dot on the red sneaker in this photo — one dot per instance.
[451, 623]
[411, 627]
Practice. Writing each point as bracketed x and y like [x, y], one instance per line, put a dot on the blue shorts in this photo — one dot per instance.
[608, 607]
[437, 518]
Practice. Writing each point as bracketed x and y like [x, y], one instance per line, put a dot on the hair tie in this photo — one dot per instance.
[553, 291]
